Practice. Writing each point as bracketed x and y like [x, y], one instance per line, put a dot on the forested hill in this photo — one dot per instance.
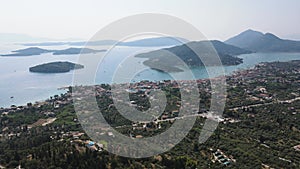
[259, 42]
[162, 59]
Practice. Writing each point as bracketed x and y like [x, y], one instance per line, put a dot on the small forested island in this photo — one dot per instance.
[28, 52]
[55, 67]
[38, 51]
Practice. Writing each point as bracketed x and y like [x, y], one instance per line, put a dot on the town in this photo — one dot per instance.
[265, 96]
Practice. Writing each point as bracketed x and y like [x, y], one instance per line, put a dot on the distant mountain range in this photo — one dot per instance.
[245, 42]
[38, 51]
[153, 42]
[147, 42]
[250, 40]
[258, 42]
[81, 43]
[20, 38]
[23, 38]
[163, 60]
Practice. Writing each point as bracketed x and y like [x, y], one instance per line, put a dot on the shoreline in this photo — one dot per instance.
[232, 74]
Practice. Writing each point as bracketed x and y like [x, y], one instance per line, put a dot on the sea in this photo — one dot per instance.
[18, 86]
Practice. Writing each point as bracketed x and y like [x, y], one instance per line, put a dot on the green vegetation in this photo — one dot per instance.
[259, 42]
[166, 59]
[260, 128]
[55, 67]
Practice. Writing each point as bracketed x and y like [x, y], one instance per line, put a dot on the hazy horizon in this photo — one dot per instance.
[218, 20]
[70, 39]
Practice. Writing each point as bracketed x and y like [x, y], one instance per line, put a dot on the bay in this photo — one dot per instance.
[18, 86]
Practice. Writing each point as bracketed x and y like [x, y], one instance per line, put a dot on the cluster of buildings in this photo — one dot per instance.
[221, 157]
[79, 139]
[56, 101]
[143, 90]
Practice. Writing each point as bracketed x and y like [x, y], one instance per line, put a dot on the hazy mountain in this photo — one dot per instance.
[147, 42]
[162, 59]
[19, 38]
[23, 38]
[159, 41]
[259, 42]
[80, 43]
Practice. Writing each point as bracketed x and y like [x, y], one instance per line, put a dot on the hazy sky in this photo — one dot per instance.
[216, 19]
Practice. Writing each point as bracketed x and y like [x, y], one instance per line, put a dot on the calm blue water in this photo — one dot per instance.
[17, 82]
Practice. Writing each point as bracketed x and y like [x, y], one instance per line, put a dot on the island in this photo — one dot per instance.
[55, 67]
[32, 51]
[76, 51]
[164, 60]
[28, 52]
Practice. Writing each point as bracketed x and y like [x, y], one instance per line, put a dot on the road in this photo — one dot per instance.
[264, 104]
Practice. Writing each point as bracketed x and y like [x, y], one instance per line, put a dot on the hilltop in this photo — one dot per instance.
[258, 42]
[162, 59]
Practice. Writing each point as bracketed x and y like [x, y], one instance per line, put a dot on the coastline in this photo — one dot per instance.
[233, 73]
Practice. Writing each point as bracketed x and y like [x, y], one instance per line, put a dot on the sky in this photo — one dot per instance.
[216, 19]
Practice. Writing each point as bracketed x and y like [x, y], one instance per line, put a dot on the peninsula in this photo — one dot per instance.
[164, 60]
